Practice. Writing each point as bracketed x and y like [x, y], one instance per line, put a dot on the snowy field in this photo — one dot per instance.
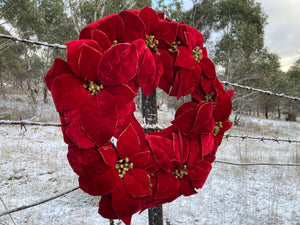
[33, 166]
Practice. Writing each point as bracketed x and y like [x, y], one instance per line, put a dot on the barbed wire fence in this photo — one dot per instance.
[24, 123]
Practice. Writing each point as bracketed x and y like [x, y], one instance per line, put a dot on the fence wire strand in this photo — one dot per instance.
[282, 95]
[37, 203]
[14, 38]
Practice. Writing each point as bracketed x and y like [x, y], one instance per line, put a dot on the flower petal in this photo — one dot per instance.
[105, 207]
[77, 135]
[118, 65]
[185, 59]
[58, 68]
[128, 143]
[99, 118]
[79, 158]
[88, 62]
[134, 27]
[204, 122]
[166, 79]
[162, 150]
[65, 89]
[122, 94]
[98, 179]
[113, 26]
[208, 144]
[140, 159]
[108, 154]
[187, 187]
[150, 19]
[137, 183]
[74, 50]
[167, 31]
[164, 182]
[101, 38]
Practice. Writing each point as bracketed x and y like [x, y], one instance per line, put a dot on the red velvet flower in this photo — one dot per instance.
[183, 167]
[99, 85]
[121, 172]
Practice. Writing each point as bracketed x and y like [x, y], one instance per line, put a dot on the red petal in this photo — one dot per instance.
[128, 143]
[58, 68]
[109, 155]
[79, 158]
[123, 95]
[65, 89]
[118, 65]
[140, 159]
[74, 50]
[208, 144]
[85, 33]
[185, 121]
[223, 106]
[99, 118]
[167, 186]
[78, 137]
[208, 68]
[101, 38]
[97, 179]
[185, 59]
[137, 183]
[184, 107]
[187, 187]
[167, 31]
[188, 81]
[106, 209]
[150, 72]
[123, 203]
[204, 122]
[166, 80]
[195, 153]
[167, 132]
[134, 27]
[150, 19]
[88, 62]
[113, 26]
[162, 151]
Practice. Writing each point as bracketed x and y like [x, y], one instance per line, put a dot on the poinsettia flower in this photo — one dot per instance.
[99, 83]
[193, 119]
[192, 61]
[147, 26]
[183, 167]
[121, 172]
[106, 31]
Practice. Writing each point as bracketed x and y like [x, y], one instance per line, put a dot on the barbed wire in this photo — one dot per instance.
[59, 46]
[282, 95]
[37, 203]
[14, 38]
[257, 163]
[22, 123]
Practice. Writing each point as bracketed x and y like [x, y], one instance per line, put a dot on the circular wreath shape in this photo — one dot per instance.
[94, 93]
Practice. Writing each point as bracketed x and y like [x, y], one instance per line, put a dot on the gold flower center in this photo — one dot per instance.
[208, 98]
[151, 42]
[123, 166]
[180, 173]
[115, 42]
[92, 87]
[197, 54]
[175, 45]
[218, 127]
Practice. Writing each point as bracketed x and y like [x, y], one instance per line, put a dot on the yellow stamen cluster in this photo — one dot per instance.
[123, 166]
[175, 45]
[208, 98]
[151, 42]
[115, 42]
[218, 127]
[93, 88]
[197, 54]
[179, 174]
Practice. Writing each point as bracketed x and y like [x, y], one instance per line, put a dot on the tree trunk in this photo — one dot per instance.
[267, 112]
[278, 111]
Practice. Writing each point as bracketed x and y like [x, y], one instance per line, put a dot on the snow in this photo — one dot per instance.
[33, 167]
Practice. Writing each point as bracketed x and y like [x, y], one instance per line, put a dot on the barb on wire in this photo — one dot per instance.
[261, 91]
[37, 203]
[262, 138]
[14, 38]
[257, 164]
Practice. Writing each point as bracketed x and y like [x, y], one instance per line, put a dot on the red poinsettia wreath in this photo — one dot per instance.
[94, 94]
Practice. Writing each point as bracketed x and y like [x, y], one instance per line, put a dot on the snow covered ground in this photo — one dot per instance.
[33, 166]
